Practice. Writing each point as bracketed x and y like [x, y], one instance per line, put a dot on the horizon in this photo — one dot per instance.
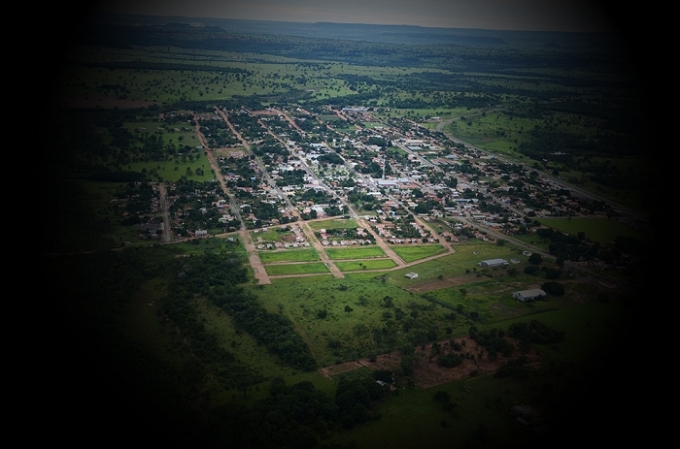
[490, 15]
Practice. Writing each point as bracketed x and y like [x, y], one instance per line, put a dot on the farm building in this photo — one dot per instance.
[411, 275]
[493, 263]
[529, 295]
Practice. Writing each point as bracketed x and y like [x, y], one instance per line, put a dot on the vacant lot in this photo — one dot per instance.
[413, 253]
[355, 253]
[296, 268]
[381, 264]
[297, 255]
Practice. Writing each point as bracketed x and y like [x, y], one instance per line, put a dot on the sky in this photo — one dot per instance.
[534, 15]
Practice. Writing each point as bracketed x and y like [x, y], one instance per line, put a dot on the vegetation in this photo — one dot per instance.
[158, 298]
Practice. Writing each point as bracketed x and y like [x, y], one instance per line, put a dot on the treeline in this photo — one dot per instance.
[297, 416]
[217, 277]
[147, 65]
[458, 57]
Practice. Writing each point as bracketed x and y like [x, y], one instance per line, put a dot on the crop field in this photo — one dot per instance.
[363, 252]
[292, 255]
[413, 253]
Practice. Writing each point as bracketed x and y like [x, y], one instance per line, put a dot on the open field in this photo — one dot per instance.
[413, 253]
[601, 230]
[363, 252]
[366, 265]
[334, 223]
[290, 255]
[296, 268]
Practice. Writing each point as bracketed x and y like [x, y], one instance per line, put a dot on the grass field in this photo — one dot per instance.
[294, 255]
[366, 265]
[413, 253]
[334, 223]
[296, 268]
[599, 230]
[362, 252]
[174, 170]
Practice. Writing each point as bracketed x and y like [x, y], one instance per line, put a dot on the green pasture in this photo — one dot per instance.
[213, 245]
[296, 268]
[302, 280]
[412, 418]
[289, 255]
[492, 298]
[361, 252]
[462, 263]
[339, 335]
[381, 264]
[413, 253]
[174, 170]
[601, 230]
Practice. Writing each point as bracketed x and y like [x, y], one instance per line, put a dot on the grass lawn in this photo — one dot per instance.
[334, 223]
[362, 252]
[296, 268]
[295, 255]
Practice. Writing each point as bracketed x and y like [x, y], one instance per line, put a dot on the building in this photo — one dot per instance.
[493, 263]
[411, 275]
[529, 295]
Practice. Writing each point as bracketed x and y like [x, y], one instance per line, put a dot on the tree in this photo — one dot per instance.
[348, 309]
[531, 269]
[535, 259]
[553, 288]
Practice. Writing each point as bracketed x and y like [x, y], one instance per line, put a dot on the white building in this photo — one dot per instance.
[493, 263]
[529, 295]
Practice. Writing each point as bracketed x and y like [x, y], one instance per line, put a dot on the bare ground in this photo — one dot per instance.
[426, 372]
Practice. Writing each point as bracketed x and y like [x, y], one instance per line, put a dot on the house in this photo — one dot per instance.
[529, 295]
[493, 263]
[411, 275]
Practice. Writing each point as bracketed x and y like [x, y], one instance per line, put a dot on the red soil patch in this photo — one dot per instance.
[427, 373]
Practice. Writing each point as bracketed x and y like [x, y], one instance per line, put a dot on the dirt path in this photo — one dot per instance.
[253, 256]
[258, 268]
[381, 243]
[164, 208]
[311, 238]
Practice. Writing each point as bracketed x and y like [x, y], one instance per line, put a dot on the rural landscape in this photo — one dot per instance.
[290, 235]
